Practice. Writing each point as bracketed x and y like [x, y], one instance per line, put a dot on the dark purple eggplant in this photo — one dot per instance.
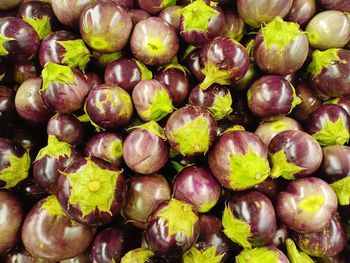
[20, 72]
[302, 11]
[126, 4]
[138, 15]
[342, 5]
[270, 187]
[155, 6]
[7, 104]
[172, 15]
[192, 61]
[262, 254]
[343, 102]
[234, 26]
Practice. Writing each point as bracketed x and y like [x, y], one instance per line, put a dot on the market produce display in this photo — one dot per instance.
[174, 131]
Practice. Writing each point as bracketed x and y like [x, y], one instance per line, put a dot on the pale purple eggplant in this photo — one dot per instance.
[172, 15]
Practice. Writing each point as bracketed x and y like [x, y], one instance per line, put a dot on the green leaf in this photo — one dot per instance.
[332, 101]
[281, 166]
[92, 187]
[237, 230]
[221, 106]
[2, 76]
[161, 106]
[296, 100]
[3, 40]
[279, 34]
[332, 133]
[193, 137]
[194, 255]
[214, 75]
[52, 206]
[258, 255]
[167, 3]
[55, 73]
[322, 59]
[247, 170]
[55, 149]
[178, 217]
[146, 74]
[17, 170]
[139, 255]
[197, 15]
[77, 54]
[342, 190]
[177, 166]
[41, 25]
[294, 255]
[153, 127]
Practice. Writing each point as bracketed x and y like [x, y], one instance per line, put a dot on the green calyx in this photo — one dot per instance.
[281, 166]
[214, 75]
[296, 100]
[312, 204]
[155, 46]
[197, 15]
[106, 58]
[161, 106]
[41, 25]
[77, 54]
[188, 51]
[2, 76]
[247, 170]
[279, 34]
[333, 133]
[3, 40]
[177, 166]
[342, 190]
[53, 72]
[221, 106]
[322, 59]
[237, 230]
[294, 255]
[177, 66]
[55, 149]
[17, 170]
[167, 3]
[52, 206]
[193, 137]
[179, 217]
[116, 149]
[153, 127]
[234, 128]
[146, 74]
[258, 255]
[332, 101]
[196, 256]
[139, 255]
[92, 188]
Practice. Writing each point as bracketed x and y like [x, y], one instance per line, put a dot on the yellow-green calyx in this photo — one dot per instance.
[92, 187]
[176, 66]
[234, 128]
[294, 255]
[333, 133]
[17, 170]
[155, 46]
[193, 137]
[196, 256]
[116, 149]
[258, 255]
[53, 72]
[139, 255]
[188, 51]
[312, 204]
[42, 26]
[342, 190]
[106, 58]
[278, 34]
[77, 54]
[247, 170]
[160, 107]
[296, 100]
[3, 40]
[153, 127]
[146, 74]
[222, 106]
[52, 206]
[281, 166]
[322, 59]
[167, 3]
[237, 230]
[214, 75]
[55, 149]
[179, 218]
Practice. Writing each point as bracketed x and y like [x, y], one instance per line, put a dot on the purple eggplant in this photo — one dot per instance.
[280, 47]
[126, 73]
[7, 104]
[257, 12]
[105, 27]
[198, 30]
[21, 255]
[126, 4]
[64, 48]
[294, 154]
[49, 234]
[329, 29]
[172, 15]
[15, 162]
[192, 61]
[11, 214]
[191, 130]
[224, 61]
[238, 160]
[196, 185]
[152, 101]
[270, 187]
[109, 107]
[91, 191]
[163, 232]
[217, 99]
[280, 237]
[262, 254]
[269, 129]
[145, 148]
[234, 26]
[153, 7]
[342, 5]
[329, 125]
[82, 258]
[302, 11]
[22, 71]
[249, 219]
[138, 15]
[306, 208]
[154, 42]
[145, 193]
[343, 102]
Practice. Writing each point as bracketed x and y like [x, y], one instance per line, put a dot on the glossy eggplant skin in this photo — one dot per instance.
[336, 162]
[302, 11]
[342, 5]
